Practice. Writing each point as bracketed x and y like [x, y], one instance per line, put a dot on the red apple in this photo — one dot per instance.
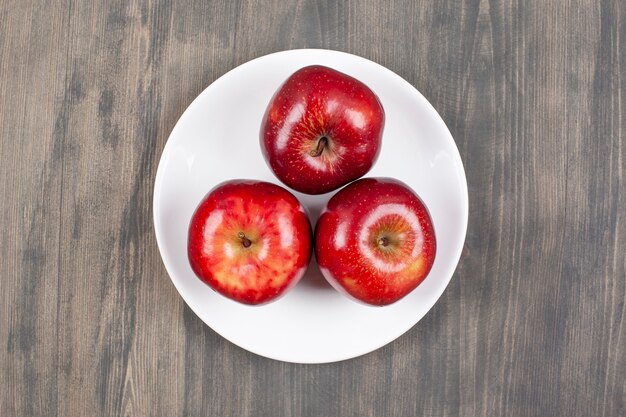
[321, 130]
[375, 241]
[249, 240]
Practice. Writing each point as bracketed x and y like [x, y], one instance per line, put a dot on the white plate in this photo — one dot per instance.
[217, 139]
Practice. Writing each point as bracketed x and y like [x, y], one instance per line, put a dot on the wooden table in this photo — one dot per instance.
[534, 320]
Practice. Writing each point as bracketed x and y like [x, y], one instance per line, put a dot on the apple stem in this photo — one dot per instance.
[383, 241]
[244, 240]
[321, 144]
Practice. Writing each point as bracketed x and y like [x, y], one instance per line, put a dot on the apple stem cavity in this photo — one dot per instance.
[244, 240]
[321, 144]
[383, 241]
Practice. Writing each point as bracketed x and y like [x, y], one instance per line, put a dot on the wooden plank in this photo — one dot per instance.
[533, 321]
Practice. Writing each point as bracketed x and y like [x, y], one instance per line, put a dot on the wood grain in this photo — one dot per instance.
[533, 322]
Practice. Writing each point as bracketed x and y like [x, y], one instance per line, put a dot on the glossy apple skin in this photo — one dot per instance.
[313, 103]
[278, 233]
[349, 244]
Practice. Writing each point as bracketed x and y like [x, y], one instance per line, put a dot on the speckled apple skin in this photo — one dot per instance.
[280, 238]
[349, 233]
[318, 102]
